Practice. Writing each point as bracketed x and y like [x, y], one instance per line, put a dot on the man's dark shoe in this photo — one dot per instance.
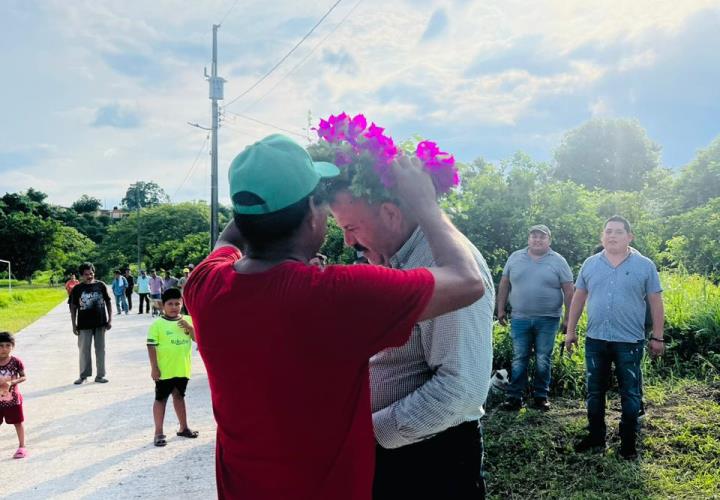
[79, 381]
[641, 413]
[589, 444]
[511, 404]
[101, 380]
[628, 452]
[541, 404]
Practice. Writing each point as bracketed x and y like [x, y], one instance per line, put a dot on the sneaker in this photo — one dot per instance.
[79, 381]
[511, 404]
[541, 404]
[589, 444]
[101, 380]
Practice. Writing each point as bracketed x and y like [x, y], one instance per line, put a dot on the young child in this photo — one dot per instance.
[169, 342]
[12, 373]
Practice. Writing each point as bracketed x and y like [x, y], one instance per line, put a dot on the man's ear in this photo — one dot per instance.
[391, 215]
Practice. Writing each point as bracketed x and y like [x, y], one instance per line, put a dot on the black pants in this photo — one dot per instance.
[445, 467]
[128, 294]
[144, 299]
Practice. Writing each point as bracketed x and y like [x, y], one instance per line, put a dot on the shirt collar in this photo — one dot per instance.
[549, 252]
[399, 260]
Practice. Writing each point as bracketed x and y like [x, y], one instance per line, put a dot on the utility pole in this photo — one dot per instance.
[137, 206]
[216, 94]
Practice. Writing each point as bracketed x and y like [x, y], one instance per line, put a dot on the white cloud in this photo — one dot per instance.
[147, 57]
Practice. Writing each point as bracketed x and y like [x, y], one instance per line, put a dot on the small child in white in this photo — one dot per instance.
[169, 343]
[12, 373]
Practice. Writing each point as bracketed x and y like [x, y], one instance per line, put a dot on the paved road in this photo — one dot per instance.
[95, 440]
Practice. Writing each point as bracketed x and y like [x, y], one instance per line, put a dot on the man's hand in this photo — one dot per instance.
[155, 374]
[571, 339]
[75, 330]
[563, 327]
[108, 325]
[414, 186]
[502, 318]
[656, 348]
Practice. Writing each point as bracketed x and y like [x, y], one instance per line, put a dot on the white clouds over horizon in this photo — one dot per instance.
[111, 84]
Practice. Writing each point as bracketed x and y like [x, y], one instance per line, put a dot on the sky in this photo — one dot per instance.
[97, 94]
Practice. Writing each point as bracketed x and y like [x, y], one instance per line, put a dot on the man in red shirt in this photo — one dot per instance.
[286, 344]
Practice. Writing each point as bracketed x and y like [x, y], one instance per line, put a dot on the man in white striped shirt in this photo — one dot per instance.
[426, 395]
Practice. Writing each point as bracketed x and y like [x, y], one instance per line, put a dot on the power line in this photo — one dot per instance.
[304, 60]
[192, 167]
[228, 12]
[286, 55]
[245, 117]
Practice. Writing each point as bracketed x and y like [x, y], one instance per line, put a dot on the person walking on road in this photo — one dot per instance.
[143, 288]
[129, 290]
[91, 317]
[119, 286]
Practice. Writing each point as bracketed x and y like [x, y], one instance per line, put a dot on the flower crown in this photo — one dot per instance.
[365, 155]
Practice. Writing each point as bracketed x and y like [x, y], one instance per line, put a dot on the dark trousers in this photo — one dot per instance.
[144, 299]
[128, 294]
[626, 356]
[446, 466]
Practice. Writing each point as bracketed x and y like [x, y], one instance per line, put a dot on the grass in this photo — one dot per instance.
[23, 306]
[530, 455]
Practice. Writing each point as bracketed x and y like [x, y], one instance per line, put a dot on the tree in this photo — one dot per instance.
[86, 204]
[158, 225]
[69, 249]
[694, 240]
[25, 239]
[614, 154]
[700, 180]
[143, 195]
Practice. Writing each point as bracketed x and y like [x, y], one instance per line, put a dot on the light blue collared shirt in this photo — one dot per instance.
[616, 296]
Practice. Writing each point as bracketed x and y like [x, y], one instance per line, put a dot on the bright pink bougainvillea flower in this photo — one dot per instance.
[353, 138]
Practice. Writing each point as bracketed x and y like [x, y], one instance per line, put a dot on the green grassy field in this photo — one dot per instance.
[25, 305]
[530, 455]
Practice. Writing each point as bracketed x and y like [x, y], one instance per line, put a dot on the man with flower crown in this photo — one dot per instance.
[427, 394]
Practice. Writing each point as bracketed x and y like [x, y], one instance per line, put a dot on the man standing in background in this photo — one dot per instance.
[539, 281]
[130, 285]
[143, 284]
[616, 284]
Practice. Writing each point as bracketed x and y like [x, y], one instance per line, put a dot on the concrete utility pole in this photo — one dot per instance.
[216, 94]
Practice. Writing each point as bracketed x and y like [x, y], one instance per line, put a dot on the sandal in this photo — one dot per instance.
[20, 453]
[160, 440]
[187, 433]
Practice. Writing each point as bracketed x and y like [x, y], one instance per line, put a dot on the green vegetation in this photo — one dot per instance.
[24, 305]
[530, 455]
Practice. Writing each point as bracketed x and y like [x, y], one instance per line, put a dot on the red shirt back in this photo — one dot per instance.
[286, 353]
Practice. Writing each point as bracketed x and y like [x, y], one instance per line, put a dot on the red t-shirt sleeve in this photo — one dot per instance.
[199, 277]
[380, 305]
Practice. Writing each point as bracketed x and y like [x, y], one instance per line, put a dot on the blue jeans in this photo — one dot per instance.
[121, 302]
[626, 356]
[540, 332]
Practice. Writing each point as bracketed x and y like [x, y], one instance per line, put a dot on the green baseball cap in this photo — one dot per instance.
[276, 172]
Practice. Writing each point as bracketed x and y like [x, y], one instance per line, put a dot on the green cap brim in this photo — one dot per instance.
[325, 169]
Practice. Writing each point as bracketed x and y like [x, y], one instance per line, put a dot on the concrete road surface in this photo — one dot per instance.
[93, 440]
